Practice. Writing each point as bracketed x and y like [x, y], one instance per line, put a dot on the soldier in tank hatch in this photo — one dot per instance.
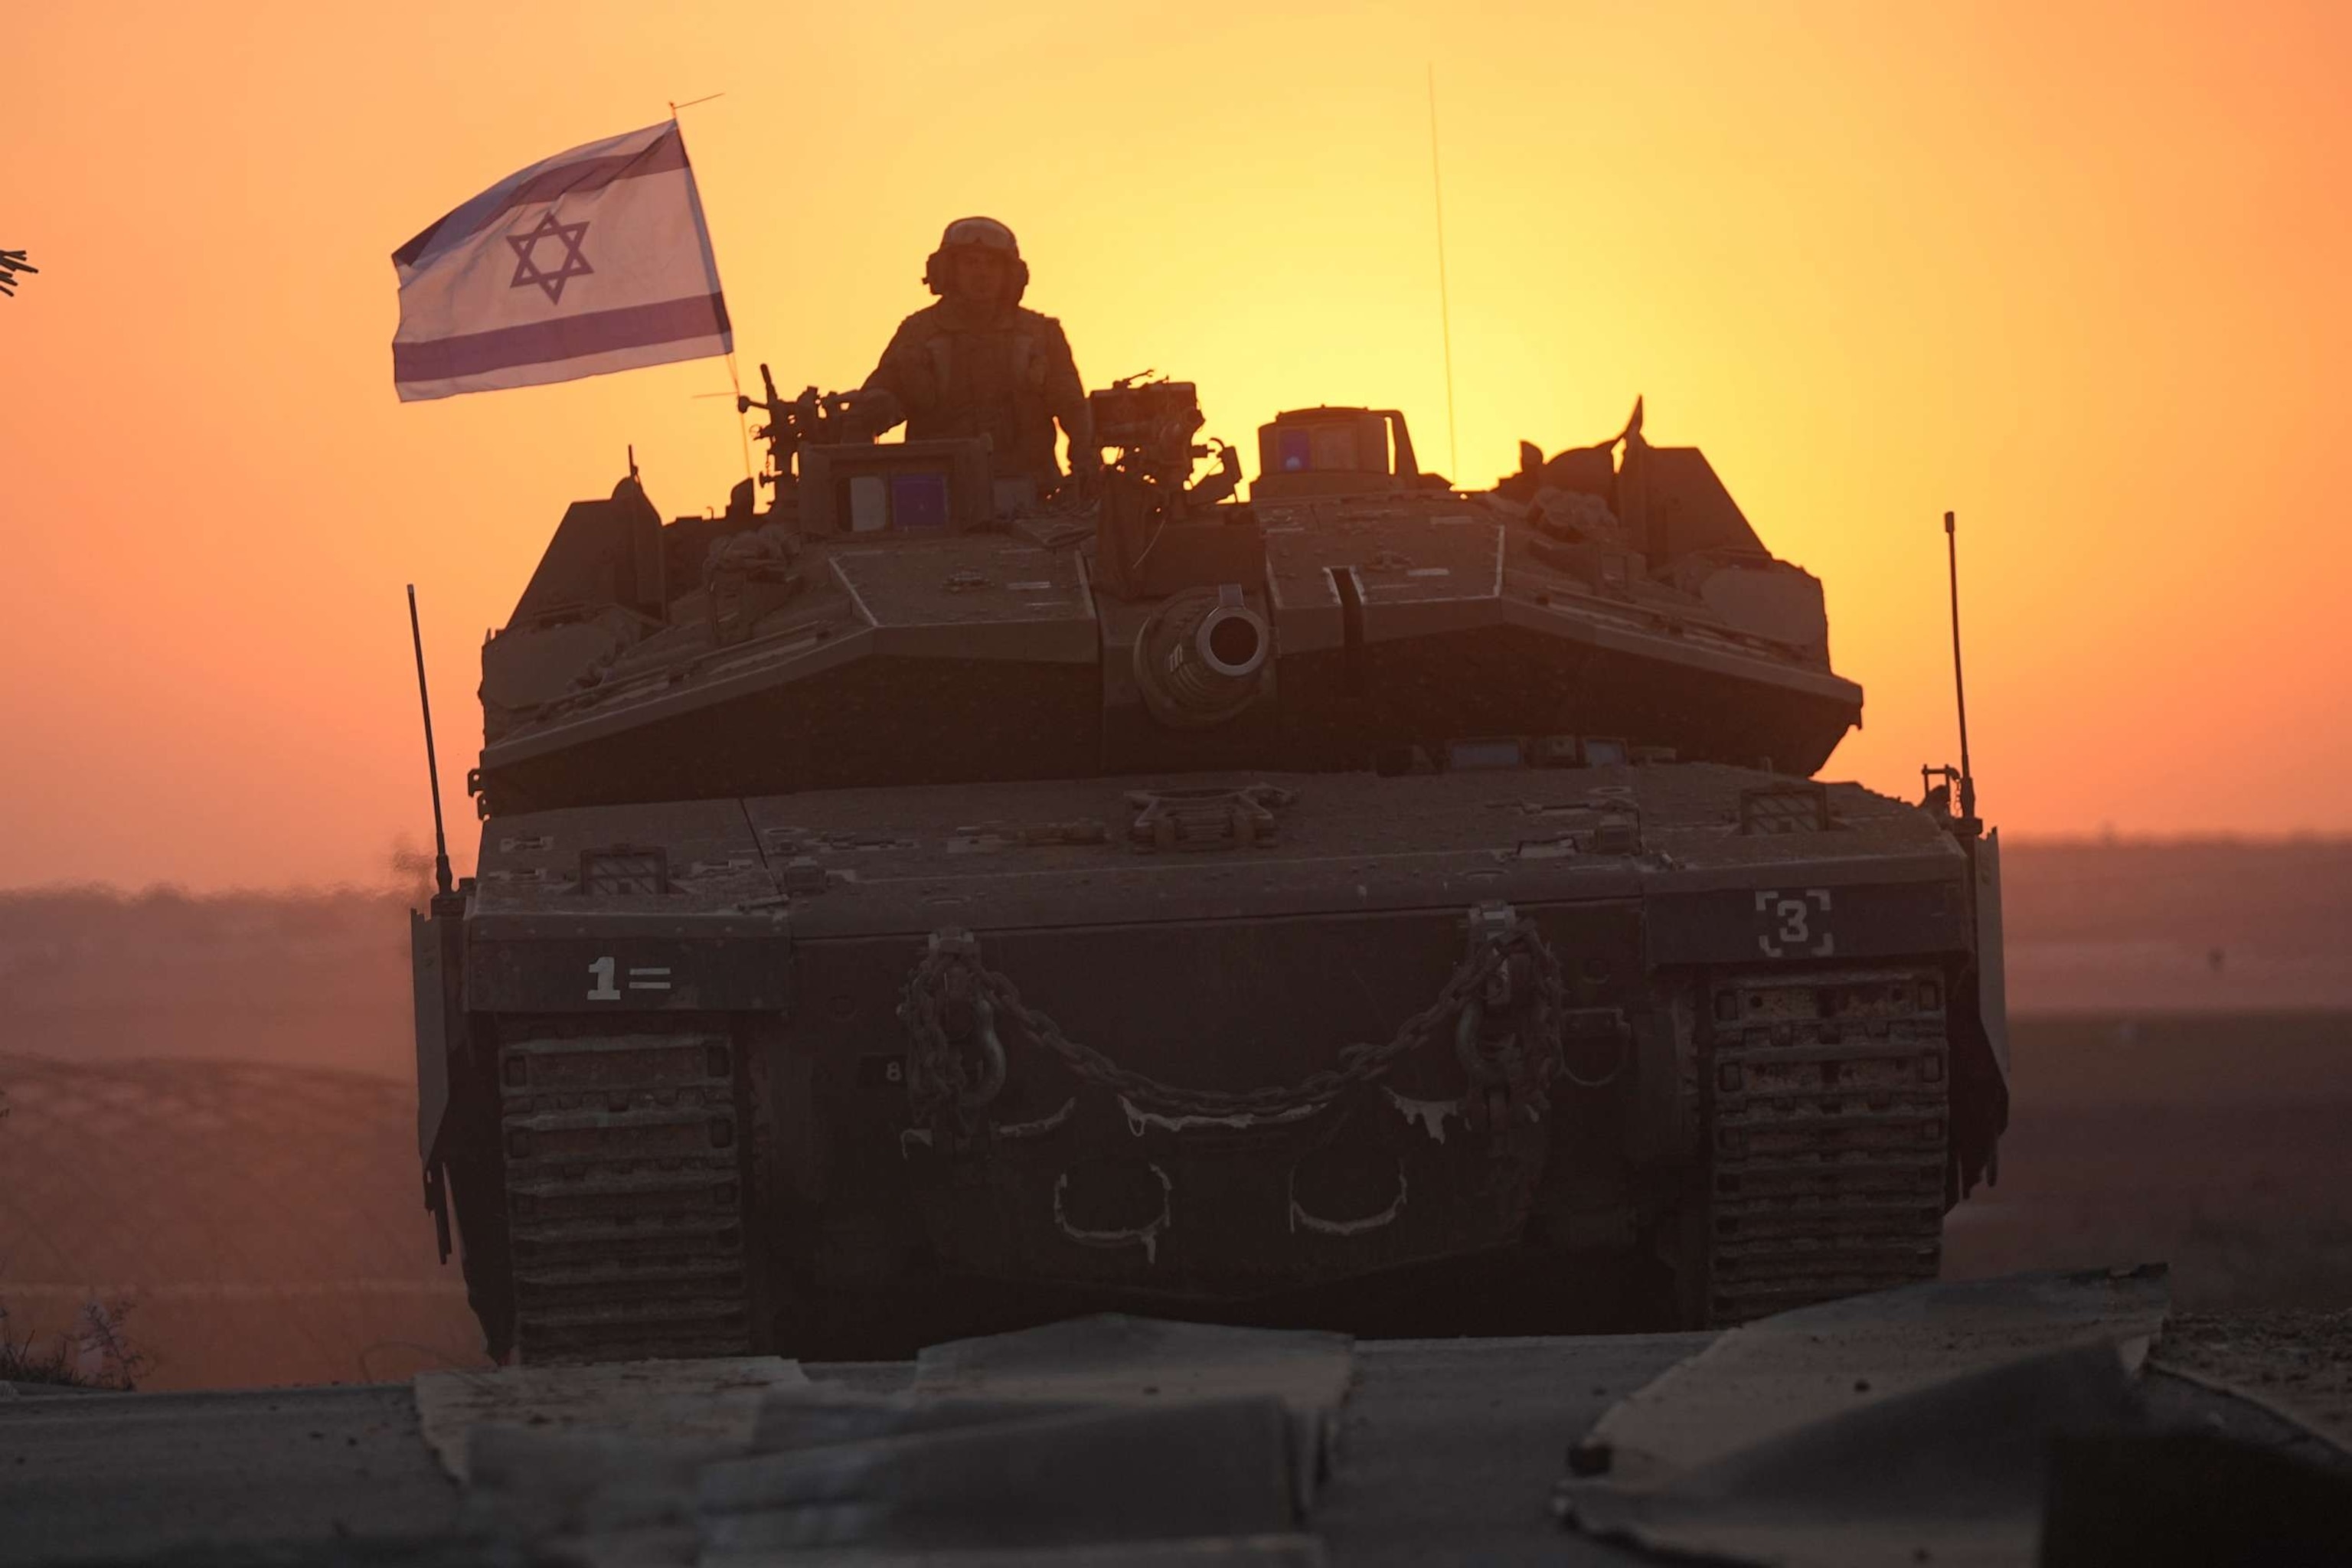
[976, 364]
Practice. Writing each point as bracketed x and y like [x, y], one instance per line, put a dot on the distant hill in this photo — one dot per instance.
[292, 979]
[322, 979]
[2198, 925]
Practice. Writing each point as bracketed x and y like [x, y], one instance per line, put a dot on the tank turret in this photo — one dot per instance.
[746, 653]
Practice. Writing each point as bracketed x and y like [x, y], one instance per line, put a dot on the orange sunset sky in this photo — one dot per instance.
[2078, 271]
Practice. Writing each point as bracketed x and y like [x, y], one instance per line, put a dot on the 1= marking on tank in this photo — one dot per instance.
[604, 970]
[1791, 922]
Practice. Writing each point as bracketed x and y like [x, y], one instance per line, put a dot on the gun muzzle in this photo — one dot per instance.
[1201, 659]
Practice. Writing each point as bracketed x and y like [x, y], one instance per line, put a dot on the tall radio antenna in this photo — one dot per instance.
[432, 762]
[1959, 685]
[1445, 308]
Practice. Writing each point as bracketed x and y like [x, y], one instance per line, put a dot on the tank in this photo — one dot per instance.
[913, 907]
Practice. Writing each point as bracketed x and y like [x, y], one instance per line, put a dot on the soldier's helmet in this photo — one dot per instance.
[976, 234]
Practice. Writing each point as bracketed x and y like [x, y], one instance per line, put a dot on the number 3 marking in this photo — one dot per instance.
[1792, 922]
[603, 971]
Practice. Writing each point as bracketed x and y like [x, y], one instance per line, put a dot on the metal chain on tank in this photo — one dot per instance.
[951, 995]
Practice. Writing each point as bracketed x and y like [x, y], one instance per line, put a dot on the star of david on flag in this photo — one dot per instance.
[594, 260]
[527, 268]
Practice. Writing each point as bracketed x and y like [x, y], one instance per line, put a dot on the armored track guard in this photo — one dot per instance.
[765, 1076]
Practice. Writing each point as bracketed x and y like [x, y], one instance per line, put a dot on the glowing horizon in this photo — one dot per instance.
[2075, 275]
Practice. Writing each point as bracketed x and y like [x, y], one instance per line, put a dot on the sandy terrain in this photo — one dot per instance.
[266, 1219]
[263, 1215]
[2298, 1362]
[265, 1224]
[2222, 1143]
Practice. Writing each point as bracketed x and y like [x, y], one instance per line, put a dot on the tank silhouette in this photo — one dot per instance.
[912, 907]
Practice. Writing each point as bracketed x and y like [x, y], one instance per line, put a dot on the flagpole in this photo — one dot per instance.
[734, 377]
[743, 428]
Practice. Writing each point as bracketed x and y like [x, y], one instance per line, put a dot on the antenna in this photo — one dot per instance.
[1444, 306]
[742, 430]
[432, 763]
[1959, 685]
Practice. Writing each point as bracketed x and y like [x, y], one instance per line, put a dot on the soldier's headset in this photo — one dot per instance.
[935, 266]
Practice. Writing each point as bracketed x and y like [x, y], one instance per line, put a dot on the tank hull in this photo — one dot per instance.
[830, 1072]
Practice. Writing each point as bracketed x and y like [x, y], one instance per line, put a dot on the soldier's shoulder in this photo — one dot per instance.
[928, 321]
[1037, 320]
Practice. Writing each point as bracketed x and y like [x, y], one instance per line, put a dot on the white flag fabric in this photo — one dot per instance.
[594, 260]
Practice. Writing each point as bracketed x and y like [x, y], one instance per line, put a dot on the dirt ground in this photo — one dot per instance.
[265, 1221]
[2221, 1144]
[213, 1117]
[2299, 1362]
[260, 1224]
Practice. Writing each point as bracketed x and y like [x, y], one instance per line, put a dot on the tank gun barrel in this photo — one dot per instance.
[1202, 657]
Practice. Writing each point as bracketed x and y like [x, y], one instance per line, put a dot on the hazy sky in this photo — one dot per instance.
[2075, 271]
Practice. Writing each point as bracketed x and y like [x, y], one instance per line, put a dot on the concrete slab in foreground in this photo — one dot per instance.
[1448, 1451]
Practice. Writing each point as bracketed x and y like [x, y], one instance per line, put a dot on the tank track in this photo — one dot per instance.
[624, 1149]
[1830, 1100]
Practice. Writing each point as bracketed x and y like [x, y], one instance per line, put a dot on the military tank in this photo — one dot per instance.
[911, 906]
